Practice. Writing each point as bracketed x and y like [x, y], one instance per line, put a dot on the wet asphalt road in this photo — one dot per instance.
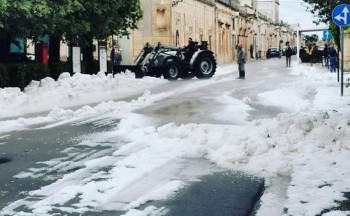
[22, 150]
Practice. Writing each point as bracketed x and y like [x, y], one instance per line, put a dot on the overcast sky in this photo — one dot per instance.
[294, 12]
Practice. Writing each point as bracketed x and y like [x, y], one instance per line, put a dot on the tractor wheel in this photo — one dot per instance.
[171, 71]
[205, 66]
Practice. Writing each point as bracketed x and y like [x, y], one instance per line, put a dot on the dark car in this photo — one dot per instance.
[272, 52]
[294, 50]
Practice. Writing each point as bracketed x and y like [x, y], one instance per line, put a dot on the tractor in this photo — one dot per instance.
[172, 62]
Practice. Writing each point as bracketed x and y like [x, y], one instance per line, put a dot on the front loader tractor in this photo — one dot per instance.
[172, 62]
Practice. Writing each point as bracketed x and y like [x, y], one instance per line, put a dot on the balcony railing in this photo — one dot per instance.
[232, 3]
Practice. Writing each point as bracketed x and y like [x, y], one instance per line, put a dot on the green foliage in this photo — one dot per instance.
[90, 67]
[34, 71]
[69, 18]
[21, 74]
[25, 18]
[100, 19]
[311, 38]
[335, 33]
[57, 68]
[322, 10]
[3, 11]
[16, 77]
[4, 76]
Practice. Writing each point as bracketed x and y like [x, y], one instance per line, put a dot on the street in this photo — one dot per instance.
[93, 164]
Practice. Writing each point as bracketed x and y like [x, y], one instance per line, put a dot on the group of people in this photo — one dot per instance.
[330, 57]
[241, 58]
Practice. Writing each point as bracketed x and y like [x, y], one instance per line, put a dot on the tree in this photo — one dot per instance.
[322, 10]
[100, 19]
[3, 11]
[66, 19]
[311, 38]
[87, 20]
[59, 24]
[24, 18]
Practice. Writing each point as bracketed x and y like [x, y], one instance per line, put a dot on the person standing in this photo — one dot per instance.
[325, 56]
[111, 56]
[241, 60]
[289, 53]
[116, 56]
[332, 53]
[251, 49]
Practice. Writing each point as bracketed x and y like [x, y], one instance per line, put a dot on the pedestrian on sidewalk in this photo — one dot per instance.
[288, 53]
[325, 56]
[251, 51]
[332, 53]
[116, 55]
[241, 60]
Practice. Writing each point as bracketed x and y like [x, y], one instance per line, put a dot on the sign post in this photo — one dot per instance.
[342, 61]
[341, 17]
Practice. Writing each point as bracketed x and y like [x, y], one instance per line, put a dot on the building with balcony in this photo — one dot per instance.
[222, 23]
[269, 8]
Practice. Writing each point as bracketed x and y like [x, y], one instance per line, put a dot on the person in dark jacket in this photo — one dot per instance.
[190, 49]
[325, 56]
[289, 53]
[116, 55]
[251, 49]
[241, 60]
[333, 55]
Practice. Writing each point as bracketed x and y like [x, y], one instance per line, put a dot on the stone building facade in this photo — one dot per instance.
[269, 8]
[222, 23]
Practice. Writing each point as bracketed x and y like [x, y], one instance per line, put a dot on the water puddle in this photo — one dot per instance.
[263, 112]
[219, 193]
[179, 111]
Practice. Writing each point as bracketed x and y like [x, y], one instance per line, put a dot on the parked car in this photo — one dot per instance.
[294, 50]
[272, 52]
[284, 50]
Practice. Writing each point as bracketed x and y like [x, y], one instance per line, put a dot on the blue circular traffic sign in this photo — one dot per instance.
[341, 15]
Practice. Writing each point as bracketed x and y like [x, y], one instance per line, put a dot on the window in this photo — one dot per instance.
[160, 19]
